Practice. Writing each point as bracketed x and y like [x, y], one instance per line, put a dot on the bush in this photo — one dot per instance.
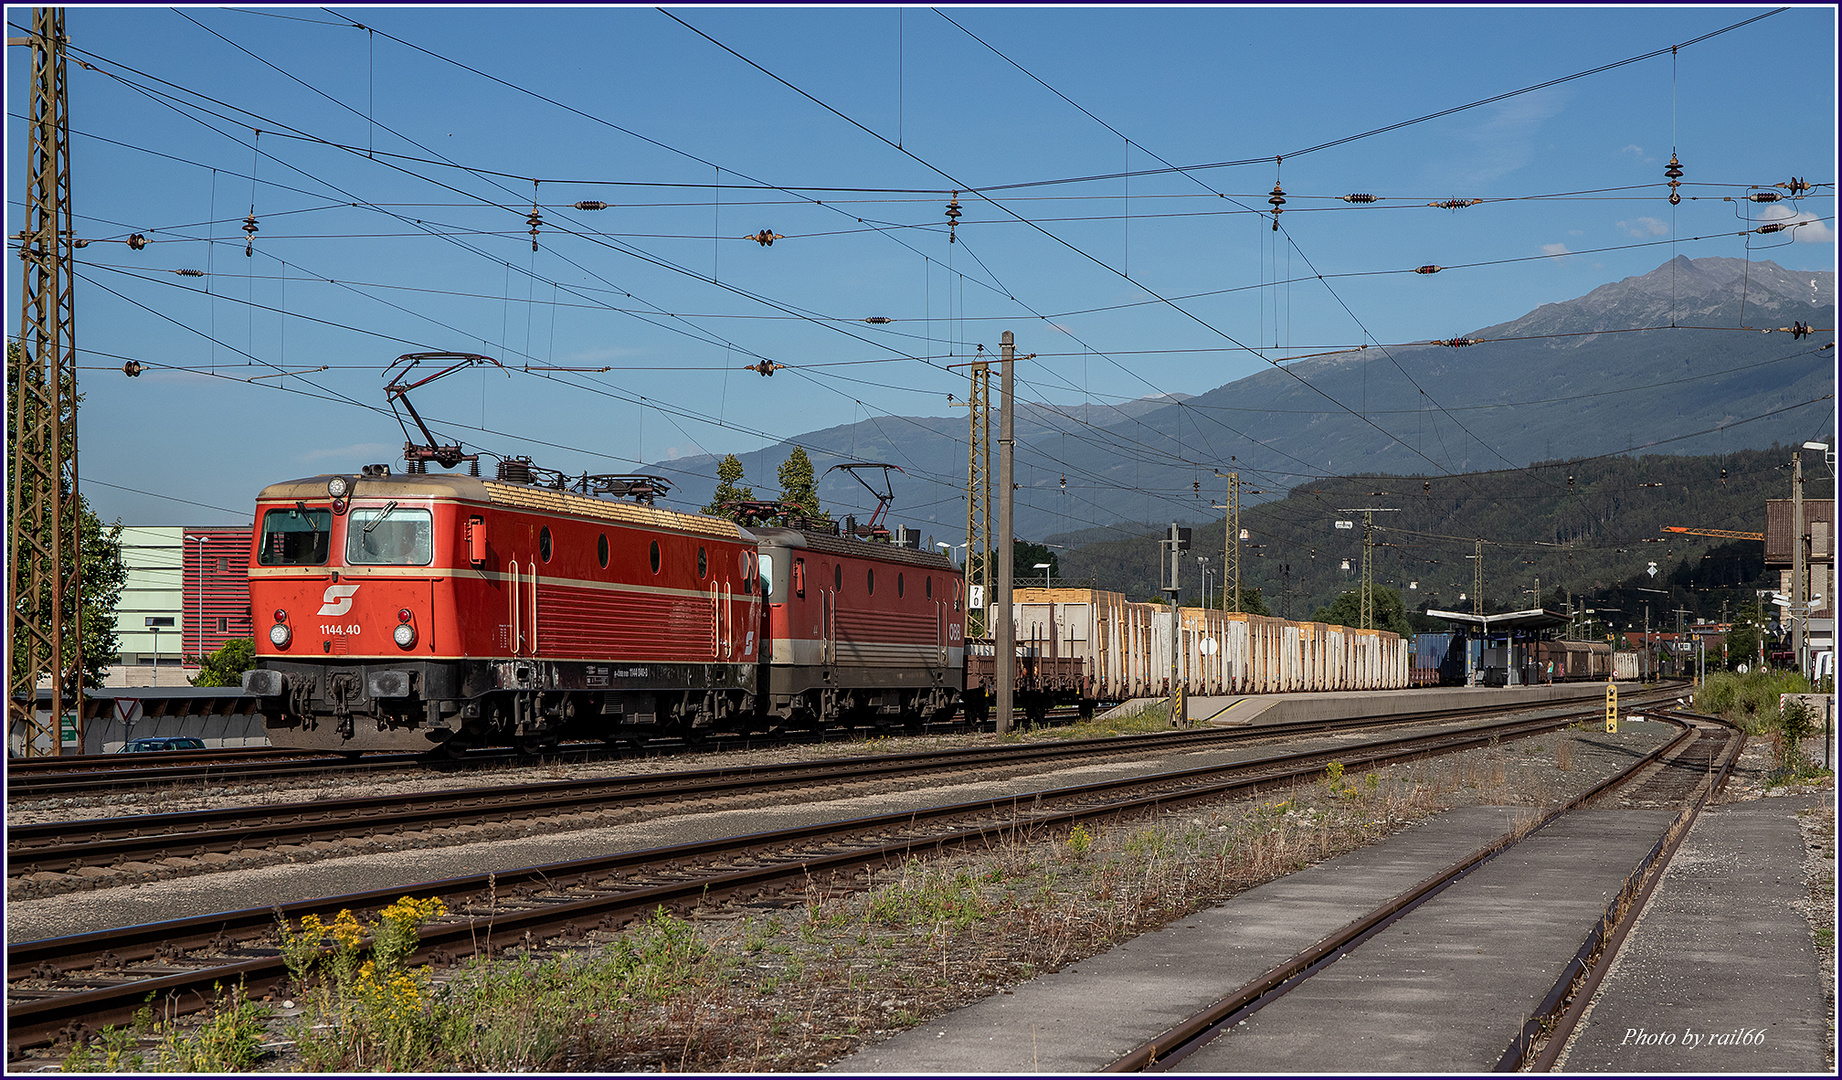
[1749, 701]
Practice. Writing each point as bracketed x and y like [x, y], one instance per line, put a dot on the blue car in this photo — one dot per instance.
[164, 742]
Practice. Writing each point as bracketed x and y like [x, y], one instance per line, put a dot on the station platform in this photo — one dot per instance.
[1243, 709]
[1446, 988]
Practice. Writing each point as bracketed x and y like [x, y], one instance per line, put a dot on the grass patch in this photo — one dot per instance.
[1749, 701]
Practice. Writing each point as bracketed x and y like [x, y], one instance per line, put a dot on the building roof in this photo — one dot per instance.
[1534, 619]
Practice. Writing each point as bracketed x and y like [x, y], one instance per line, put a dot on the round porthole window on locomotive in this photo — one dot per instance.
[543, 543]
[703, 564]
[601, 550]
[871, 579]
[655, 556]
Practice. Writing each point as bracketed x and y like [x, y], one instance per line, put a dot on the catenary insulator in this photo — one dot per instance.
[1674, 172]
[534, 219]
[1795, 186]
[953, 218]
[1459, 342]
[190, 273]
[765, 237]
[1360, 198]
[591, 204]
[136, 241]
[132, 369]
[879, 320]
[1455, 204]
[249, 236]
[1764, 196]
[1428, 269]
[1278, 202]
[1772, 227]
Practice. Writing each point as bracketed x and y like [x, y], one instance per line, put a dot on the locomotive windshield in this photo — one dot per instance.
[297, 537]
[389, 536]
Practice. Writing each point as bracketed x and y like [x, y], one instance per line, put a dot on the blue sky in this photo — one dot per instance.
[393, 179]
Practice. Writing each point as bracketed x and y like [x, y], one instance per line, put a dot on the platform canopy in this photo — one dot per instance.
[1534, 619]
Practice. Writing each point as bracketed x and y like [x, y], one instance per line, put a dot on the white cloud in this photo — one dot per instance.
[369, 451]
[1554, 249]
[1635, 149]
[1645, 226]
[1809, 229]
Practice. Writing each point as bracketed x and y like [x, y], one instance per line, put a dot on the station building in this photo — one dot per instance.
[187, 593]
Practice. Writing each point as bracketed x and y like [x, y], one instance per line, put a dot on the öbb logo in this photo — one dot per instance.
[338, 599]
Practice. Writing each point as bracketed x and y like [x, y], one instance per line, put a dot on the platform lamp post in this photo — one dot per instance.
[201, 605]
[1044, 567]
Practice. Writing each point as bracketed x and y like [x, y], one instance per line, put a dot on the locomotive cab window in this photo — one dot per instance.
[601, 550]
[703, 564]
[389, 535]
[655, 556]
[295, 537]
[767, 574]
[543, 543]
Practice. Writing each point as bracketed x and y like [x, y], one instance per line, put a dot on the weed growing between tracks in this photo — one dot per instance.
[789, 986]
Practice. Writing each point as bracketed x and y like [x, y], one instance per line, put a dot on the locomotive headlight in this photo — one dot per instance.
[337, 487]
[404, 635]
[280, 635]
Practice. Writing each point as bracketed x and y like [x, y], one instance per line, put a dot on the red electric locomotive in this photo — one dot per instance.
[413, 611]
[859, 631]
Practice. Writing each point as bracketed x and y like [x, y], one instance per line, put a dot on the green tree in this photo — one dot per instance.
[1252, 602]
[102, 574]
[225, 667]
[728, 471]
[1024, 557]
[1743, 645]
[1389, 614]
[799, 488]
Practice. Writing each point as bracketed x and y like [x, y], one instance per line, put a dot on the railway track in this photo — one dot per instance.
[1682, 774]
[58, 987]
[98, 774]
[136, 843]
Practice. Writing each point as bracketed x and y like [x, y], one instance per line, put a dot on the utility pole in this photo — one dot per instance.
[1178, 541]
[44, 532]
[1800, 618]
[978, 503]
[1007, 628]
[1477, 580]
[1368, 546]
[1231, 547]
